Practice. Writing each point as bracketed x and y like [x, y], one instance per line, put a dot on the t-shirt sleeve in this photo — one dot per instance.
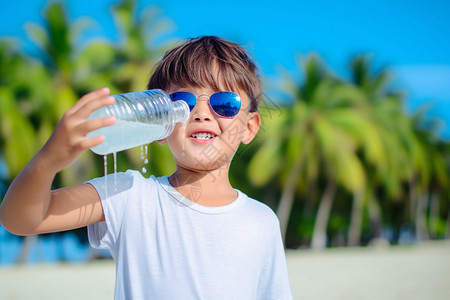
[114, 193]
[274, 280]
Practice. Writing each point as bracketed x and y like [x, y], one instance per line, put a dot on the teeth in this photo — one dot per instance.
[203, 135]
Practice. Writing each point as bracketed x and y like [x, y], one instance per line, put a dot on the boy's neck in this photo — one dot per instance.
[214, 186]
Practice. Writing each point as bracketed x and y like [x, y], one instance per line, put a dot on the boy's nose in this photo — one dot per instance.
[202, 110]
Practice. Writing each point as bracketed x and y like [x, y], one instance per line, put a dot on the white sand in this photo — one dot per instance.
[408, 272]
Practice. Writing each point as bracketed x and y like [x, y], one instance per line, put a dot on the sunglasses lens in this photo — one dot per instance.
[225, 104]
[187, 97]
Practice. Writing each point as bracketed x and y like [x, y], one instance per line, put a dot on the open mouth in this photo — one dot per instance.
[203, 135]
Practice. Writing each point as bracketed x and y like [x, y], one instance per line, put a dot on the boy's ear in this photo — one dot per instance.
[162, 142]
[253, 124]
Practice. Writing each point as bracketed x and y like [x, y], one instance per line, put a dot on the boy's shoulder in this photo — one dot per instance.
[260, 210]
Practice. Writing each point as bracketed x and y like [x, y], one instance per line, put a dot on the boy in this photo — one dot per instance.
[167, 241]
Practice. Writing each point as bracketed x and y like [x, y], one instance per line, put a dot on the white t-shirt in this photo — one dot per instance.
[168, 247]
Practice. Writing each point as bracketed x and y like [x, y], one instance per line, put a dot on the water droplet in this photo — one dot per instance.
[146, 161]
[105, 165]
[115, 170]
[144, 170]
[115, 161]
[142, 152]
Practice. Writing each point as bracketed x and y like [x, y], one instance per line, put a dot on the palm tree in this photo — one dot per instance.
[400, 150]
[374, 99]
[140, 46]
[308, 144]
[431, 176]
[17, 137]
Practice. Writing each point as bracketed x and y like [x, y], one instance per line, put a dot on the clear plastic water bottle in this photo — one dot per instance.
[141, 118]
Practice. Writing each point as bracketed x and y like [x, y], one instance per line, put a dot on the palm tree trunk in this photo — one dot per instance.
[319, 239]
[434, 215]
[29, 242]
[375, 217]
[287, 197]
[270, 196]
[285, 207]
[354, 235]
[286, 201]
[421, 226]
[447, 228]
[413, 199]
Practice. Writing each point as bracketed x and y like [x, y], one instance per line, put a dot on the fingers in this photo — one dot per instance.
[90, 96]
[91, 102]
[89, 107]
[69, 139]
[92, 142]
[76, 124]
[95, 124]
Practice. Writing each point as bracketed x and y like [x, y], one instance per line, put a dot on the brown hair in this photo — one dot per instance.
[209, 61]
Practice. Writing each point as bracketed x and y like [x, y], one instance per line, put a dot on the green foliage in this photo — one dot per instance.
[353, 133]
[17, 133]
[358, 135]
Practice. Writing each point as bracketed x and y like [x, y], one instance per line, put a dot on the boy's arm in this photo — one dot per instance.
[30, 206]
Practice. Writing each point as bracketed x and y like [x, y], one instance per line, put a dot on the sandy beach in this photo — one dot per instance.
[402, 272]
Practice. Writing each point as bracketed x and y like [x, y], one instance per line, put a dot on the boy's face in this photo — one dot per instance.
[206, 141]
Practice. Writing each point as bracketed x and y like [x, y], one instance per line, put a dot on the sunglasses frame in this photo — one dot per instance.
[212, 96]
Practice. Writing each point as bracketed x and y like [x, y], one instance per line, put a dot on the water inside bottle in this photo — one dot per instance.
[134, 133]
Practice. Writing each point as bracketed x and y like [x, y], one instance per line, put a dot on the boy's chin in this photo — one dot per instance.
[203, 166]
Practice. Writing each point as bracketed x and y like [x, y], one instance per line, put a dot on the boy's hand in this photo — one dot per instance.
[30, 206]
[69, 138]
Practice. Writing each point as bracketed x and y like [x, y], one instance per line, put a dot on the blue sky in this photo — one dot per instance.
[411, 37]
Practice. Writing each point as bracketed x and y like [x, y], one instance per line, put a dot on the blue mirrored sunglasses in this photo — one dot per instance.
[224, 104]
